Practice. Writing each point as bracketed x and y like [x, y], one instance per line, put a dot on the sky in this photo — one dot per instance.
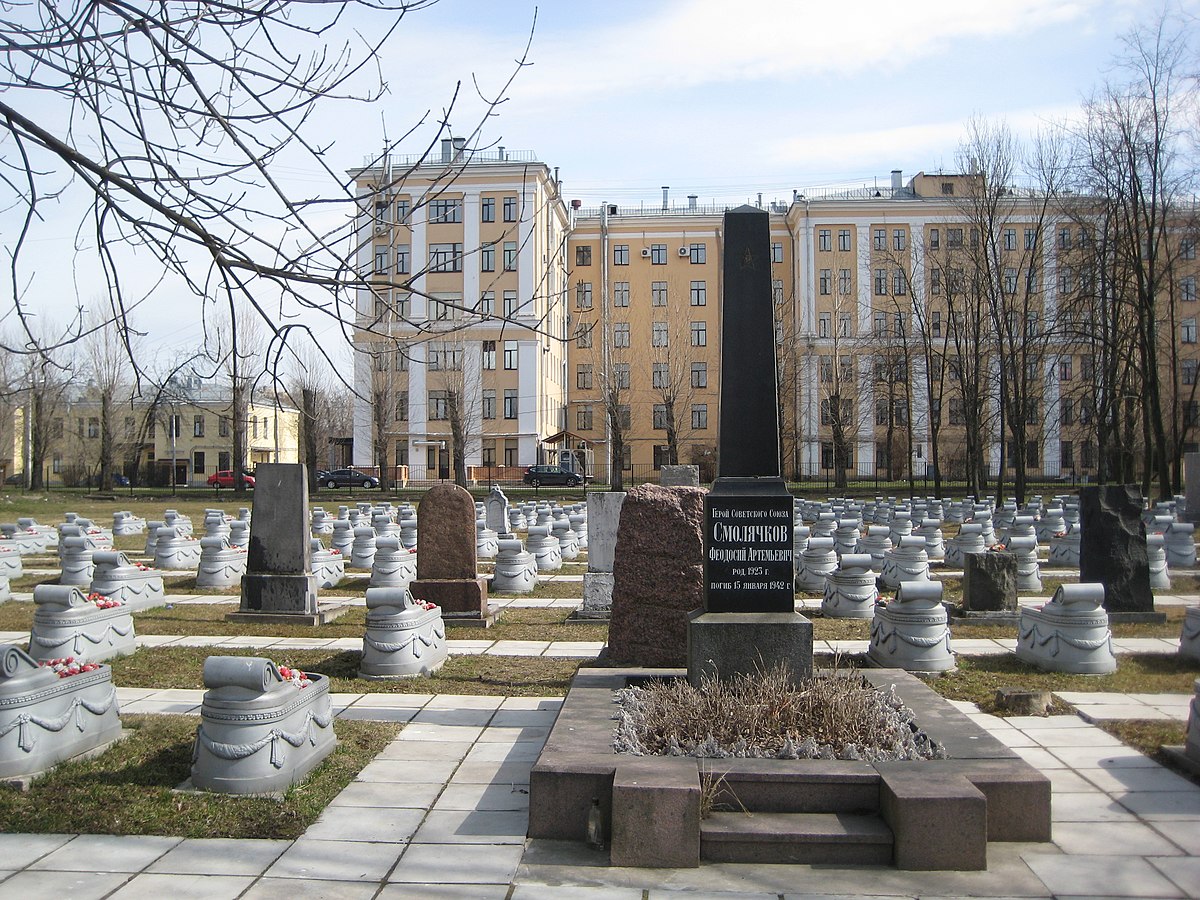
[719, 99]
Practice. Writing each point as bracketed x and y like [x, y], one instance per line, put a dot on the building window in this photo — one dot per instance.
[1033, 283]
[776, 251]
[777, 290]
[445, 211]
[445, 357]
[699, 293]
[510, 209]
[1066, 280]
[826, 282]
[445, 257]
[1188, 331]
[437, 406]
[1187, 288]
[1189, 371]
[956, 411]
[583, 295]
[489, 355]
[899, 282]
[198, 426]
[825, 369]
[510, 304]
[583, 376]
[699, 415]
[585, 418]
[403, 259]
[1067, 411]
[658, 334]
[824, 239]
[489, 403]
[93, 427]
[954, 238]
[222, 428]
[624, 417]
[824, 320]
[658, 293]
[658, 254]
[1030, 238]
[402, 406]
[510, 403]
[660, 417]
[844, 327]
[935, 323]
[698, 253]
[880, 324]
[659, 377]
[844, 240]
[447, 309]
[510, 355]
[879, 239]
[1031, 324]
[487, 454]
[1064, 239]
[1187, 248]
[487, 257]
[1010, 280]
[699, 374]
[583, 337]
[620, 254]
[510, 256]
[487, 209]
[700, 334]
[1066, 455]
[899, 239]
[621, 376]
[621, 293]
[881, 282]
[381, 259]
[845, 282]
[935, 239]
[621, 334]
[1010, 239]
[583, 255]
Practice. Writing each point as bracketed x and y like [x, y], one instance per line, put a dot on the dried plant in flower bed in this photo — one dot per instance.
[830, 716]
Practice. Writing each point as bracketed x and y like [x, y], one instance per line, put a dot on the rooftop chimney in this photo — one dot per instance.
[447, 149]
[760, 199]
[897, 180]
[666, 188]
[795, 195]
[692, 201]
[459, 145]
[500, 153]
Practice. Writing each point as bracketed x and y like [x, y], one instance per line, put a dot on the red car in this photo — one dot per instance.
[227, 479]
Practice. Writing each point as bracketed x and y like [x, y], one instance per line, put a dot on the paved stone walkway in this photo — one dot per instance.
[442, 813]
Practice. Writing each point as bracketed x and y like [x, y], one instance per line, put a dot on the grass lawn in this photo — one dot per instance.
[513, 676]
[129, 789]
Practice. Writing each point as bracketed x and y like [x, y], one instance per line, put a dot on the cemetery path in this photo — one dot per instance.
[442, 812]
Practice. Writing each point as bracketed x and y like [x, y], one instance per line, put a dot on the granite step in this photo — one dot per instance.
[804, 838]
[794, 786]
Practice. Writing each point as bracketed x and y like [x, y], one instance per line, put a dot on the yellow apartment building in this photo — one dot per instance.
[465, 312]
[613, 324]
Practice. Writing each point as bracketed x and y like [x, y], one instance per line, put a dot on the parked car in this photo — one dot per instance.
[536, 476]
[118, 479]
[227, 479]
[347, 478]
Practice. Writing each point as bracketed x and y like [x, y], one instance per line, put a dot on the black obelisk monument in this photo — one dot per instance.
[749, 622]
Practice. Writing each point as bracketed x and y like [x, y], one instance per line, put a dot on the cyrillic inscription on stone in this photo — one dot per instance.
[748, 554]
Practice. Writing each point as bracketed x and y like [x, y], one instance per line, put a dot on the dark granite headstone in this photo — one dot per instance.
[446, 557]
[279, 582]
[748, 514]
[1191, 486]
[657, 576]
[1112, 546]
[989, 582]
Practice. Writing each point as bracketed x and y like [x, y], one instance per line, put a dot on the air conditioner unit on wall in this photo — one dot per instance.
[645, 253]
[683, 251]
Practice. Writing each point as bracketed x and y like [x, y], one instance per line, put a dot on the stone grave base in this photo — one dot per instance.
[22, 782]
[583, 616]
[471, 620]
[1179, 758]
[804, 811]
[325, 614]
[727, 644]
[1136, 618]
